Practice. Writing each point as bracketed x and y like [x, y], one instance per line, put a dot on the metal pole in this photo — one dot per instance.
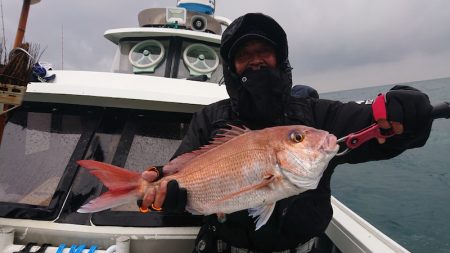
[17, 42]
[22, 23]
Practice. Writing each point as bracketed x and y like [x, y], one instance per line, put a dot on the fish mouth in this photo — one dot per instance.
[329, 144]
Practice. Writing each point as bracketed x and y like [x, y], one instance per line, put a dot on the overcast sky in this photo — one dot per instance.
[334, 44]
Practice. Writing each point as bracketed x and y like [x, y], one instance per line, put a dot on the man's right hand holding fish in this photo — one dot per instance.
[176, 197]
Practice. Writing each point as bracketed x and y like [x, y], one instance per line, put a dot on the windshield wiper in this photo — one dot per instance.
[200, 78]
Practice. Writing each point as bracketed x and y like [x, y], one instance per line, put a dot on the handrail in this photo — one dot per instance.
[351, 233]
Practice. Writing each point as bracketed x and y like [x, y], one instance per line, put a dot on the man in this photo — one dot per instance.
[258, 79]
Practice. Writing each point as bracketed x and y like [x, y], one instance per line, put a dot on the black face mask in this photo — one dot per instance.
[261, 96]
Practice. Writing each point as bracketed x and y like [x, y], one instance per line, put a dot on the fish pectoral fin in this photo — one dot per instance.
[265, 182]
[262, 214]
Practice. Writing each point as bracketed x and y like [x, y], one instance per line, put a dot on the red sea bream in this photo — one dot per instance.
[240, 169]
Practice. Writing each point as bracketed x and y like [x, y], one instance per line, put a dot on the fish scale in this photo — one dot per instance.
[206, 185]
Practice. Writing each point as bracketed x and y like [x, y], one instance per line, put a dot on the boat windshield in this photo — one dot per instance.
[35, 149]
[42, 141]
[172, 57]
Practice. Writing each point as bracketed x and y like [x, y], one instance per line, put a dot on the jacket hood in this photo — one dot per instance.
[254, 23]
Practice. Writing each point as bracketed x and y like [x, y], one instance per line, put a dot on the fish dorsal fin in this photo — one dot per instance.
[226, 135]
[219, 139]
[177, 163]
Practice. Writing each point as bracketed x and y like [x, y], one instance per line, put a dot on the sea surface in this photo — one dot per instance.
[407, 197]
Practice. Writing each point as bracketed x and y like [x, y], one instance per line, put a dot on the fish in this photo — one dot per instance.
[239, 169]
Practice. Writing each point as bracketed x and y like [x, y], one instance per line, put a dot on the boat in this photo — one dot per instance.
[133, 117]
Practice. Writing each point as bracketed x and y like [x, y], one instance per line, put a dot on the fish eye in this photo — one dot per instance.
[297, 137]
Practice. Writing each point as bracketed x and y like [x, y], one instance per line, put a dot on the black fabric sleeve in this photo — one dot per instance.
[342, 119]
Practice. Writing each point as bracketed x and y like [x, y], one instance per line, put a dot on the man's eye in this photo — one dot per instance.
[265, 53]
[241, 57]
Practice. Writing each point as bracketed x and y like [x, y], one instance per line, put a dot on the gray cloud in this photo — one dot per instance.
[333, 44]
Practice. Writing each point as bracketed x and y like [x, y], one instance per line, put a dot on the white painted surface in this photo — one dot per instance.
[351, 233]
[115, 35]
[126, 91]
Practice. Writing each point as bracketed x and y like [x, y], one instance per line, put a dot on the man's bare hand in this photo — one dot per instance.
[165, 193]
[154, 196]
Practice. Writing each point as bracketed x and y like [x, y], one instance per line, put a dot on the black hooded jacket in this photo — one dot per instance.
[299, 218]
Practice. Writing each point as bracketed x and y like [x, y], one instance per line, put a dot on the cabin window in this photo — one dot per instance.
[147, 57]
[173, 57]
[41, 143]
[199, 61]
[146, 139]
[152, 142]
[35, 150]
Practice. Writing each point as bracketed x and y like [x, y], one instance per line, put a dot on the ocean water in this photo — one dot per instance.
[407, 197]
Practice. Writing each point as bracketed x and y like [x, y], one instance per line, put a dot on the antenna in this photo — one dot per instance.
[62, 46]
[3, 29]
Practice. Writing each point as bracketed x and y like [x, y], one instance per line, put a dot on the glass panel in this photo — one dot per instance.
[102, 147]
[34, 153]
[145, 52]
[106, 139]
[154, 143]
[200, 59]
[147, 151]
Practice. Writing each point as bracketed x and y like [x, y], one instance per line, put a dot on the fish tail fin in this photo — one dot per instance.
[113, 177]
[122, 184]
[108, 200]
